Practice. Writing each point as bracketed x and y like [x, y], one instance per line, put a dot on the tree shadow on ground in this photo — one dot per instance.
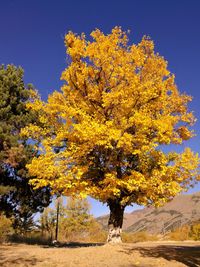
[73, 245]
[189, 255]
[29, 240]
[47, 243]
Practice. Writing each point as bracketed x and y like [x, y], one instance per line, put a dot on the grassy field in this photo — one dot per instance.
[146, 254]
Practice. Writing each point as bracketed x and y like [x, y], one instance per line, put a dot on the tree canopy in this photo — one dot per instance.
[117, 111]
[17, 196]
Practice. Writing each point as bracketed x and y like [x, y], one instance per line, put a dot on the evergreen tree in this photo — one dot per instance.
[17, 197]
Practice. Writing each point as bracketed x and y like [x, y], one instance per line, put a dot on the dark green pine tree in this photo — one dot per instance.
[17, 197]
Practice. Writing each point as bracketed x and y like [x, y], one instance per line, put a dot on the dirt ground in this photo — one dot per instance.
[146, 254]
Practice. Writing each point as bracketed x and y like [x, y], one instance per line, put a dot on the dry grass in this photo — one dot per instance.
[147, 254]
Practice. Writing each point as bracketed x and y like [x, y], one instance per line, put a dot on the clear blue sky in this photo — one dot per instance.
[32, 33]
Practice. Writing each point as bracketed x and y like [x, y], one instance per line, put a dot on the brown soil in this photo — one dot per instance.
[147, 254]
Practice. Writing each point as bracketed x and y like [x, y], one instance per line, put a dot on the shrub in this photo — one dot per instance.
[5, 228]
[180, 234]
[195, 231]
[138, 237]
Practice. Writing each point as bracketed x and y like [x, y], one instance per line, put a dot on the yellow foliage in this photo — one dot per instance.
[195, 231]
[138, 237]
[180, 234]
[118, 107]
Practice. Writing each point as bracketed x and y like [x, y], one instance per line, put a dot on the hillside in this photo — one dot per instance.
[183, 209]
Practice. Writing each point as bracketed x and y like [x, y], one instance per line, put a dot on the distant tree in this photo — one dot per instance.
[17, 197]
[78, 221]
[24, 222]
[116, 113]
[47, 222]
[75, 222]
[50, 221]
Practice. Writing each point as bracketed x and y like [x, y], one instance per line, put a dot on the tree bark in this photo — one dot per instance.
[115, 222]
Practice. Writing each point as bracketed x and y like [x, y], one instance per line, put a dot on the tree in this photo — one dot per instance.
[117, 112]
[17, 197]
[78, 221]
[48, 222]
[75, 221]
[51, 219]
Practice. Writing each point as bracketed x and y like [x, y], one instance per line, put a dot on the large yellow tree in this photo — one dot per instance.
[105, 133]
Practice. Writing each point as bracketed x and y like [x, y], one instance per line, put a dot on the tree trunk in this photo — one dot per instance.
[57, 220]
[115, 222]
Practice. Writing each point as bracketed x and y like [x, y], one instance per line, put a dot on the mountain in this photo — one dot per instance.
[183, 209]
